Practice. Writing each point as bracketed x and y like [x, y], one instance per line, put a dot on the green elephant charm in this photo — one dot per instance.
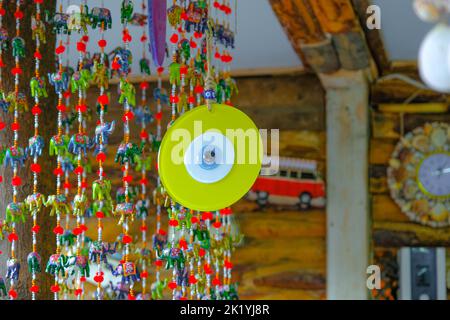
[127, 93]
[34, 202]
[79, 204]
[106, 207]
[18, 47]
[18, 102]
[126, 11]
[81, 262]
[127, 152]
[15, 212]
[101, 190]
[80, 80]
[56, 264]
[157, 289]
[4, 228]
[100, 75]
[38, 88]
[38, 30]
[143, 164]
[174, 73]
[34, 262]
[173, 257]
[59, 145]
[58, 204]
[2, 287]
[144, 65]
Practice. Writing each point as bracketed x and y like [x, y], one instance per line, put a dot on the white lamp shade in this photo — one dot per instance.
[434, 59]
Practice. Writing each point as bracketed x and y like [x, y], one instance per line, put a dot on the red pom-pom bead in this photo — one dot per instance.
[126, 239]
[16, 181]
[102, 43]
[12, 293]
[58, 230]
[174, 38]
[35, 228]
[13, 237]
[172, 285]
[54, 288]
[34, 289]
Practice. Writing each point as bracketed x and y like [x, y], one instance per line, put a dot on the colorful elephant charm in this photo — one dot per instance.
[17, 101]
[80, 143]
[78, 21]
[38, 87]
[128, 271]
[59, 145]
[80, 80]
[142, 207]
[34, 262]
[126, 11]
[38, 30]
[12, 269]
[173, 257]
[35, 146]
[161, 96]
[99, 17]
[103, 131]
[59, 21]
[132, 194]
[58, 204]
[60, 81]
[159, 241]
[34, 202]
[4, 37]
[81, 262]
[18, 47]
[125, 209]
[68, 238]
[127, 93]
[143, 115]
[14, 156]
[100, 75]
[15, 212]
[98, 251]
[79, 204]
[56, 264]
[122, 61]
[101, 190]
[127, 152]
[196, 17]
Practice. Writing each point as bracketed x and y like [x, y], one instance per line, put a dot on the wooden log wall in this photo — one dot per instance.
[391, 229]
[283, 253]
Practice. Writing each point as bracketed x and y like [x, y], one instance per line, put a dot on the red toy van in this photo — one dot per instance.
[297, 182]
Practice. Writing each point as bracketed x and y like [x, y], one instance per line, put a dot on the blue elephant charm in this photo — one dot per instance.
[142, 207]
[98, 251]
[103, 131]
[60, 81]
[143, 115]
[80, 143]
[223, 35]
[34, 262]
[100, 16]
[123, 59]
[161, 96]
[15, 155]
[128, 271]
[4, 103]
[12, 269]
[159, 241]
[35, 146]
[67, 163]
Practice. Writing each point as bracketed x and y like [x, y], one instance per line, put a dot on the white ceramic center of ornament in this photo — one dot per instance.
[209, 157]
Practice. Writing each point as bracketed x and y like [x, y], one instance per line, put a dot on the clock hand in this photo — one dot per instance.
[441, 172]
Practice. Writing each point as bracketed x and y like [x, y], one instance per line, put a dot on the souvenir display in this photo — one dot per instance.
[192, 257]
[419, 174]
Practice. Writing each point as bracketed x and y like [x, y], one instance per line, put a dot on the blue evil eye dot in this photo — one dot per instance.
[209, 158]
[209, 94]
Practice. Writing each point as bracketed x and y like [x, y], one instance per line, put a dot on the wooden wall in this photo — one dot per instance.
[391, 229]
[283, 254]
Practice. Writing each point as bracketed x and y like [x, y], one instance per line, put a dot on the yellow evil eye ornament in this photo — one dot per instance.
[209, 159]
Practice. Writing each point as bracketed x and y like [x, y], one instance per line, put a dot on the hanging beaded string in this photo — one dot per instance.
[80, 198]
[144, 202]
[16, 180]
[104, 205]
[35, 201]
[2, 93]
[127, 209]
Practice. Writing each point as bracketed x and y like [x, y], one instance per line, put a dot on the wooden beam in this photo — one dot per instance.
[335, 16]
[374, 37]
[347, 184]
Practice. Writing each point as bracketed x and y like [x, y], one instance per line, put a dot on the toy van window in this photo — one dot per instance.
[308, 176]
[283, 173]
[294, 174]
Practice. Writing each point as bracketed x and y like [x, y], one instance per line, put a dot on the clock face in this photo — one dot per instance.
[418, 175]
[434, 175]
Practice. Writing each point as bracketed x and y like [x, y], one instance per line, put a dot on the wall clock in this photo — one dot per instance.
[419, 174]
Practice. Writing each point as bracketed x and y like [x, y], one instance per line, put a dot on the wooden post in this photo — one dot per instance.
[47, 128]
[347, 105]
